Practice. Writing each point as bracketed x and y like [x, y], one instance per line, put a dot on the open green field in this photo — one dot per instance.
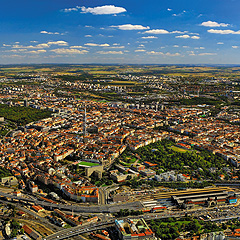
[89, 164]
[177, 149]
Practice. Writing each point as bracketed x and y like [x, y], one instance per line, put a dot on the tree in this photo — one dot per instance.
[129, 177]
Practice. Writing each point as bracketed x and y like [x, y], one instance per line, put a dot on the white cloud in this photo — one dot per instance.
[24, 50]
[223, 31]
[191, 53]
[140, 50]
[172, 54]
[187, 36]
[37, 51]
[220, 43]
[97, 45]
[116, 47]
[59, 43]
[155, 53]
[6, 45]
[77, 47]
[199, 48]
[110, 52]
[195, 37]
[179, 14]
[42, 45]
[21, 46]
[234, 46]
[180, 32]
[176, 46]
[50, 33]
[207, 54]
[149, 37]
[130, 27]
[157, 31]
[88, 36]
[213, 24]
[68, 51]
[169, 9]
[164, 54]
[71, 9]
[183, 36]
[103, 10]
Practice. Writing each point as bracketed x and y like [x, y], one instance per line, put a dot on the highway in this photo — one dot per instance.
[217, 215]
[74, 231]
[111, 208]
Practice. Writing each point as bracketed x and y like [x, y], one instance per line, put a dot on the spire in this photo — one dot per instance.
[85, 122]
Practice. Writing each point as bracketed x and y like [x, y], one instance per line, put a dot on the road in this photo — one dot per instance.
[111, 208]
[71, 232]
[102, 196]
[223, 213]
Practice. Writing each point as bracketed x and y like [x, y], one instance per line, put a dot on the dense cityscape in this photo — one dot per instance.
[119, 120]
[118, 156]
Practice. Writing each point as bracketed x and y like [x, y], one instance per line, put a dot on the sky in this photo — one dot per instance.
[120, 31]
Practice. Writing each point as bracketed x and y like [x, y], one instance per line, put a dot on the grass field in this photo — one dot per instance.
[88, 164]
[177, 149]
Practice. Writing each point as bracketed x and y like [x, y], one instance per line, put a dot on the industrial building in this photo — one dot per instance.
[207, 197]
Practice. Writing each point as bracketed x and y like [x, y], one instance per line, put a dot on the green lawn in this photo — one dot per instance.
[88, 164]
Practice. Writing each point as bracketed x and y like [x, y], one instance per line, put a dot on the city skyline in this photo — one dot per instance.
[135, 32]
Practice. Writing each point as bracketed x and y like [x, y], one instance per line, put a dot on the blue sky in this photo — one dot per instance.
[120, 31]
